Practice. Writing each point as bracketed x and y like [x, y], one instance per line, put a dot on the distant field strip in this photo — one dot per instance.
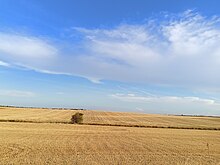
[118, 125]
[41, 143]
[109, 118]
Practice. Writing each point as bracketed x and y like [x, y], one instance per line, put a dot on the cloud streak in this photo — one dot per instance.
[169, 103]
[26, 51]
[16, 93]
[181, 50]
[163, 99]
[4, 64]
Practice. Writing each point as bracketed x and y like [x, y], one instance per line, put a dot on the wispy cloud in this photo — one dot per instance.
[181, 49]
[162, 99]
[139, 109]
[26, 51]
[4, 64]
[25, 46]
[60, 93]
[168, 103]
[16, 93]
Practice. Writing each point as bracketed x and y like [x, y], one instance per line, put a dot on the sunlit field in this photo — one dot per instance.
[101, 117]
[58, 143]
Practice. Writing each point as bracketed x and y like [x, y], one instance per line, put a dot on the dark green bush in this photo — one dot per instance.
[77, 118]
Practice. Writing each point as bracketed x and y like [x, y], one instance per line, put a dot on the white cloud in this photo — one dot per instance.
[182, 50]
[139, 109]
[27, 51]
[16, 93]
[168, 103]
[163, 99]
[4, 64]
[25, 46]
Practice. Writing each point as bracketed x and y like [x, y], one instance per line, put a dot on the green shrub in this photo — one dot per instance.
[77, 118]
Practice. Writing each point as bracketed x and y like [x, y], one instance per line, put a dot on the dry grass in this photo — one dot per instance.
[41, 143]
[117, 118]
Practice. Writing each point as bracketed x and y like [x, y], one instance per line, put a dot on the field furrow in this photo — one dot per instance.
[40, 143]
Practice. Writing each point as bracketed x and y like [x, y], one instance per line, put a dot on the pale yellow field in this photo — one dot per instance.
[45, 115]
[43, 143]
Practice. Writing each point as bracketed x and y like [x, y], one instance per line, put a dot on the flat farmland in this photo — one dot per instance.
[101, 117]
[52, 143]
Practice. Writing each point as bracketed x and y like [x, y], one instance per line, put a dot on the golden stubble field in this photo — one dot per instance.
[102, 117]
[53, 143]
[43, 143]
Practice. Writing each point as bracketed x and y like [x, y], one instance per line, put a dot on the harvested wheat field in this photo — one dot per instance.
[44, 143]
[44, 136]
[101, 117]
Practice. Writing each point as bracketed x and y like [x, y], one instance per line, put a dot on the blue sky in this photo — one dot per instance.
[150, 56]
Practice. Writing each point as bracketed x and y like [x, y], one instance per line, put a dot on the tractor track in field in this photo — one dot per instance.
[114, 125]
